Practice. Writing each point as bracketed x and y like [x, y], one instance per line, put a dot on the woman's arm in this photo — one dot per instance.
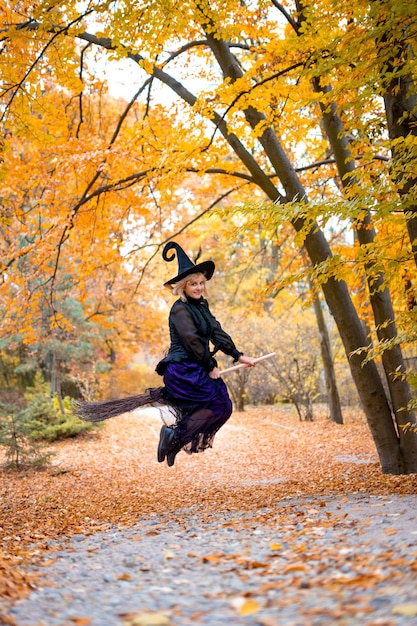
[246, 360]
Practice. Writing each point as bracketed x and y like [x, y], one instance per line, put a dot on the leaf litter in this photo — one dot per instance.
[287, 481]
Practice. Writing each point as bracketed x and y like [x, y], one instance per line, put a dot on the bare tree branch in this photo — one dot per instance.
[177, 87]
[80, 97]
[287, 16]
[181, 230]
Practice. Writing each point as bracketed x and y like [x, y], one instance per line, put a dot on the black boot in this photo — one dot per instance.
[173, 453]
[166, 441]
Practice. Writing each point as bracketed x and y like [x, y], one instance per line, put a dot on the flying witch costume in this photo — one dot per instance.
[201, 404]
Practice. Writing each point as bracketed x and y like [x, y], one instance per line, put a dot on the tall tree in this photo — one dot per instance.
[379, 294]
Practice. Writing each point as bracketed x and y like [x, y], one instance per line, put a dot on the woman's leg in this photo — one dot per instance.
[205, 404]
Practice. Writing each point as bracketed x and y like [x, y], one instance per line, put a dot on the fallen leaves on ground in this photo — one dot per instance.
[112, 477]
[13, 582]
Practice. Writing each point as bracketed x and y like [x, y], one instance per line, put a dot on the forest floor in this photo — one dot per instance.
[282, 523]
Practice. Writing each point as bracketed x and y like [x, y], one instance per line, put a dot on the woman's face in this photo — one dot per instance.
[194, 288]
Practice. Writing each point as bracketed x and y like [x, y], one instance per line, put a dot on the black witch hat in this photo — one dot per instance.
[185, 265]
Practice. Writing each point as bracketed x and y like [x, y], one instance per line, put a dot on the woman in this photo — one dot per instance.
[192, 387]
[191, 377]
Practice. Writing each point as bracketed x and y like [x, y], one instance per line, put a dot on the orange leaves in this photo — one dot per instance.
[236, 561]
[59, 321]
[295, 567]
[81, 621]
[14, 583]
[48, 562]
[246, 606]
[212, 558]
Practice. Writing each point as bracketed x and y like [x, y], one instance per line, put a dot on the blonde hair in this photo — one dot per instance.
[178, 289]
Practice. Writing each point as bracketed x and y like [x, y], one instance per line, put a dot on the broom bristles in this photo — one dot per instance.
[100, 411]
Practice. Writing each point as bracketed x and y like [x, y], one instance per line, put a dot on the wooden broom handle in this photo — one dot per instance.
[240, 365]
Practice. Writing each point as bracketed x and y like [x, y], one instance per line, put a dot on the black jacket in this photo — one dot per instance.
[192, 327]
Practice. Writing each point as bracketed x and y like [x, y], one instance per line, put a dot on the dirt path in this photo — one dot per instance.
[281, 523]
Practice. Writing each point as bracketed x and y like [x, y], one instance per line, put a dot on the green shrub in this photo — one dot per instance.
[20, 449]
[44, 418]
[47, 423]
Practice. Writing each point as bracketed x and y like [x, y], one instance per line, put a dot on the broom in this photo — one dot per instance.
[100, 411]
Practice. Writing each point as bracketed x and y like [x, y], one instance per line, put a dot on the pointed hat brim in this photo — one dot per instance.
[206, 268]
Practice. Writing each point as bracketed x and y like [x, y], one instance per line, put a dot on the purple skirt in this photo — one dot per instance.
[204, 403]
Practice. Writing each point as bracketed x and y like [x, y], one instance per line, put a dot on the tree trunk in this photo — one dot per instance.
[379, 295]
[304, 395]
[309, 409]
[365, 374]
[335, 409]
[237, 387]
[56, 382]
